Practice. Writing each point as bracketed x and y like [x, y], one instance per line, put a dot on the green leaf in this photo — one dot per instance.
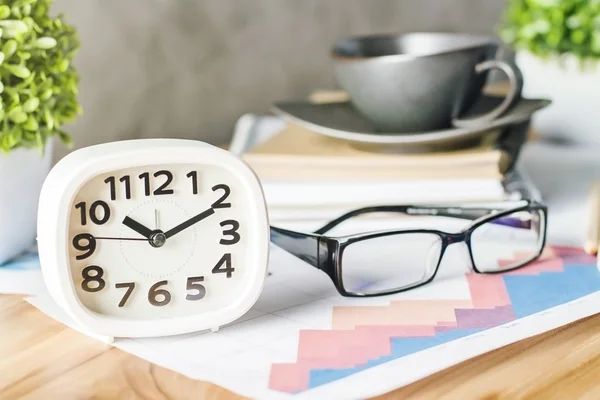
[23, 55]
[48, 119]
[29, 22]
[30, 138]
[578, 37]
[41, 141]
[45, 43]
[5, 146]
[16, 136]
[16, 12]
[574, 22]
[31, 124]
[596, 42]
[65, 137]
[63, 65]
[4, 12]
[46, 95]
[9, 33]
[31, 105]
[9, 48]
[17, 115]
[19, 70]
[27, 85]
[15, 25]
[13, 95]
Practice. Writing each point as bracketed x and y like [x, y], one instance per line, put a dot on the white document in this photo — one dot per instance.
[303, 340]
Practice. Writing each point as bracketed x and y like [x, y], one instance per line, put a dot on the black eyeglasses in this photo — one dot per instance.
[500, 238]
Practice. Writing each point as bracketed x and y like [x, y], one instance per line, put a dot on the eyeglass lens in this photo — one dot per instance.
[508, 242]
[389, 263]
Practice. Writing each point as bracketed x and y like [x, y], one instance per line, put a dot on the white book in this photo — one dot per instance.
[285, 196]
[327, 194]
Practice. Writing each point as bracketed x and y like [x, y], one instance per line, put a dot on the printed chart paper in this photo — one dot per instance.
[302, 340]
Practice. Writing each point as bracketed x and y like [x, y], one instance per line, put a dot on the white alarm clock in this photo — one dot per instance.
[153, 237]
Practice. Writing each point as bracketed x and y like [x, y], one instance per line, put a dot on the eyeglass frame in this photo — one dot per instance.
[326, 252]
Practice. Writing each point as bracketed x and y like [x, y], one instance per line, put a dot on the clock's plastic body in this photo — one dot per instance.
[55, 206]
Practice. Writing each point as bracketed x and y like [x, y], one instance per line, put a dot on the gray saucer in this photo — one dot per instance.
[342, 121]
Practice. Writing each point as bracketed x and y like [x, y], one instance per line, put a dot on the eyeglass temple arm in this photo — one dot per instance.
[455, 212]
[307, 247]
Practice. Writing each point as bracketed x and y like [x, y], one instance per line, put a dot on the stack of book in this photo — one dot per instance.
[309, 176]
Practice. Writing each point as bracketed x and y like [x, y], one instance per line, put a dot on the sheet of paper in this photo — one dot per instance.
[303, 340]
[22, 275]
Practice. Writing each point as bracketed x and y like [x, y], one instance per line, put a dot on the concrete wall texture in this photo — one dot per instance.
[191, 68]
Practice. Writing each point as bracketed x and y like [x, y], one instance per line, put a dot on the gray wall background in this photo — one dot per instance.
[190, 68]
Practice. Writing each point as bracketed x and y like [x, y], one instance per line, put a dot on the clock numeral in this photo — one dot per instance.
[224, 266]
[113, 186]
[130, 286]
[82, 210]
[96, 277]
[113, 190]
[193, 175]
[94, 212]
[127, 180]
[155, 292]
[89, 246]
[192, 284]
[235, 236]
[146, 178]
[162, 189]
[219, 203]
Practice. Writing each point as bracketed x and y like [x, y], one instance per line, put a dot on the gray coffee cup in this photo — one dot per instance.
[420, 82]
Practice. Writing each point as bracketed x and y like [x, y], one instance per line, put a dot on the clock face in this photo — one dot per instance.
[158, 241]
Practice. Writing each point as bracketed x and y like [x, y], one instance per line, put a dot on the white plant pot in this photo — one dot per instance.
[22, 173]
[574, 114]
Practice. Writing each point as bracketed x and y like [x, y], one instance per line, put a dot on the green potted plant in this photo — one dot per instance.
[38, 95]
[557, 45]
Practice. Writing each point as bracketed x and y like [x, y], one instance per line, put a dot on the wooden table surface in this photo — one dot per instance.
[42, 359]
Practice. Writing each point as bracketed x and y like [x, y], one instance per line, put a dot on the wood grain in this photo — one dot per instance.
[42, 359]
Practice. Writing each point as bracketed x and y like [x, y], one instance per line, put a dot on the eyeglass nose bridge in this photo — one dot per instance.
[464, 238]
[459, 237]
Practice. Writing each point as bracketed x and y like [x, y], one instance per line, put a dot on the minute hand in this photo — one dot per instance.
[189, 223]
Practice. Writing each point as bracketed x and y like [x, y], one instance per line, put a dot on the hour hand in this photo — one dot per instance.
[136, 226]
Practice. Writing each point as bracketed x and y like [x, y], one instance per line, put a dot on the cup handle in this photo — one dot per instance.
[515, 79]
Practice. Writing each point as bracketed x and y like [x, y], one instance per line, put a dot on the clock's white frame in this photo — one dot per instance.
[74, 170]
